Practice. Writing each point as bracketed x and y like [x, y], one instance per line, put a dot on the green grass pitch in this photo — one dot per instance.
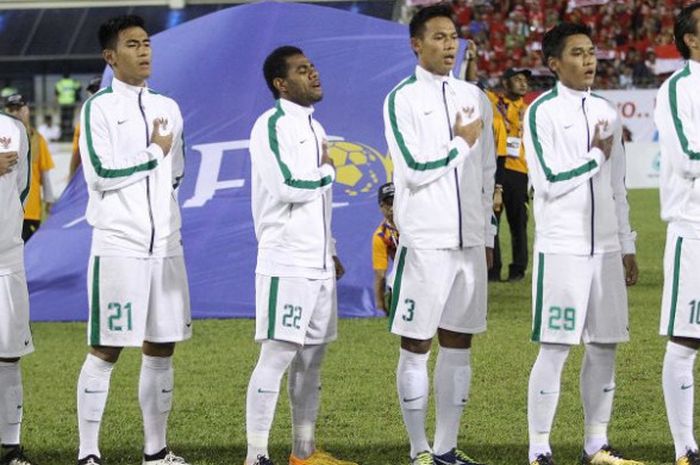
[360, 418]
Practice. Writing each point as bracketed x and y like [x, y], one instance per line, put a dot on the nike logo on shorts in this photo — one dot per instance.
[122, 122]
[411, 399]
[265, 391]
[608, 389]
[166, 391]
[548, 393]
[686, 386]
[88, 391]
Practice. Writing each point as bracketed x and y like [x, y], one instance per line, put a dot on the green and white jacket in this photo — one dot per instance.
[291, 193]
[580, 198]
[444, 188]
[14, 187]
[677, 118]
[131, 183]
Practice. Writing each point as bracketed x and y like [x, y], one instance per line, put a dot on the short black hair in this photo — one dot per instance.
[685, 24]
[422, 16]
[275, 65]
[110, 29]
[554, 40]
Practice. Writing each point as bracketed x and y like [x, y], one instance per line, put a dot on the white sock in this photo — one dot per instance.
[543, 396]
[412, 383]
[156, 400]
[597, 394]
[11, 401]
[93, 387]
[453, 373]
[304, 387]
[263, 391]
[677, 379]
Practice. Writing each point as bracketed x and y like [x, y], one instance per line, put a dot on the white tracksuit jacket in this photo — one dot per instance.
[444, 188]
[131, 184]
[14, 187]
[291, 193]
[580, 198]
[677, 117]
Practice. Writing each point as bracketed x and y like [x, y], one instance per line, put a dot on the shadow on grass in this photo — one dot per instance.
[369, 454]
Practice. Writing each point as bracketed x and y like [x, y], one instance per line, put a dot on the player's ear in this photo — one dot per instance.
[109, 56]
[691, 41]
[416, 44]
[280, 84]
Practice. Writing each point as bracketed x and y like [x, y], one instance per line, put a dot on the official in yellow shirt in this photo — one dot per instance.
[385, 240]
[42, 163]
[511, 172]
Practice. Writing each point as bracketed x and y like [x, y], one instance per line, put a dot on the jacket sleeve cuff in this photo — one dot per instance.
[598, 155]
[327, 170]
[461, 145]
[628, 243]
[156, 152]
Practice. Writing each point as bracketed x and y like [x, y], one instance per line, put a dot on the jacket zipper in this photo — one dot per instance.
[459, 199]
[590, 180]
[323, 198]
[148, 181]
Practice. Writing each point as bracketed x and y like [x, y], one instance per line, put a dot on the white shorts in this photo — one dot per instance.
[15, 335]
[439, 289]
[575, 296]
[680, 305]
[298, 310]
[133, 300]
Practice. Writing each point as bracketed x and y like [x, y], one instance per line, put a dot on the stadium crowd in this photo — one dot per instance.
[630, 36]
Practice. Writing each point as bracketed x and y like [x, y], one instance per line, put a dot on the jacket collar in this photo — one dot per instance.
[295, 109]
[694, 67]
[127, 89]
[424, 75]
[570, 94]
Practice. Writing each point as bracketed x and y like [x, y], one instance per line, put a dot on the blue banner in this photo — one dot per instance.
[212, 67]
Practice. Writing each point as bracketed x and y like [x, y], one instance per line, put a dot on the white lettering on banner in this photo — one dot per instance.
[208, 182]
[637, 110]
[70, 224]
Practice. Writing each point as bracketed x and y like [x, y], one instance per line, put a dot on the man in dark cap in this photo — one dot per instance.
[385, 239]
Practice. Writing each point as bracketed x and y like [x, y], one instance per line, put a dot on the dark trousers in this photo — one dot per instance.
[515, 201]
[29, 228]
[67, 114]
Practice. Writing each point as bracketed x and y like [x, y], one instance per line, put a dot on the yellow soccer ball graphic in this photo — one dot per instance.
[360, 169]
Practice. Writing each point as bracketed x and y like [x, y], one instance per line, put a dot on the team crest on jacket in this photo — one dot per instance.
[5, 142]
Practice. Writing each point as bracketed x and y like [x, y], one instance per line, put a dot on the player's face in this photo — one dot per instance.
[577, 65]
[518, 85]
[302, 84]
[437, 46]
[131, 57]
[693, 40]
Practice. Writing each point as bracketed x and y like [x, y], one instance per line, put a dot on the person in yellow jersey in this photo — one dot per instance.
[385, 240]
[67, 92]
[511, 168]
[40, 189]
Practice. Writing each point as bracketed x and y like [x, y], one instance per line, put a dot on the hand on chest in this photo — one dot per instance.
[133, 122]
[575, 128]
